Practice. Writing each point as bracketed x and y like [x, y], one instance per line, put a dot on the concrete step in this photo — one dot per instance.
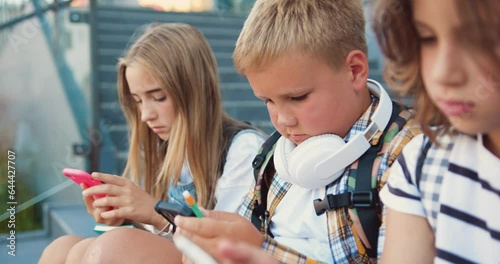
[137, 16]
[129, 30]
[29, 248]
[69, 219]
[59, 218]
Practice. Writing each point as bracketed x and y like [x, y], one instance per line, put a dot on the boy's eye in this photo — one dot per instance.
[299, 98]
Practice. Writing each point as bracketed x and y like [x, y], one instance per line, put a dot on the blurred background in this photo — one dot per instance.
[58, 101]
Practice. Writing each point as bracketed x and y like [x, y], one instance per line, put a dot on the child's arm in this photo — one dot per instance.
[243, 253]
[407, 236]
[284, 254]
[408, 239]
[218, 226]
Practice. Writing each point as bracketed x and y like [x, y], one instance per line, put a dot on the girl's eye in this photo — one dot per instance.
[266, 101]
[138, 102]
[427, 39]
[161, 99]
[299, 98]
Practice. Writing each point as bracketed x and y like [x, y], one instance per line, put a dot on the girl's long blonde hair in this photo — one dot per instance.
[180, 59]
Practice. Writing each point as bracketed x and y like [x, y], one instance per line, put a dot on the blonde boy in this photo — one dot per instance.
[306, 59]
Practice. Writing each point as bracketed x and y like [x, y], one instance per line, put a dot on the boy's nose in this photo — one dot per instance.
[286, 120]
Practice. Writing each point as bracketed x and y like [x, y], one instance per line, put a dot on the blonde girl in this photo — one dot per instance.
[180, 139]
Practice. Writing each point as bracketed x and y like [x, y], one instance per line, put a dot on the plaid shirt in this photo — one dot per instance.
[345, 244]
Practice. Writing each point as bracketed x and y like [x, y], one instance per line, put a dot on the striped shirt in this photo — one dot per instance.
[458, 193]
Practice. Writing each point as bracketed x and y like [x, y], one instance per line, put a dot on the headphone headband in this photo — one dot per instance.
[382, 114]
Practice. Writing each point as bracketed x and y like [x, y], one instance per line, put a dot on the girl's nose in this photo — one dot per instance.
[147, 113]
[448, 68]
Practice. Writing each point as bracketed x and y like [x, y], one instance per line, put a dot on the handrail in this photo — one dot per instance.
[54, 6]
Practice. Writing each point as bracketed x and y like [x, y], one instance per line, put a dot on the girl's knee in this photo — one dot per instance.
[107, 247]
[57, 251]
[127, 245]
[77, 252]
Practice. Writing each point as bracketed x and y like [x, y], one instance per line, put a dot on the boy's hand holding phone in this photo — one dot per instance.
[215, 227]
[169, 210]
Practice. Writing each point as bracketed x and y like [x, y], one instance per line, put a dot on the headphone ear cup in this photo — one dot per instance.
[282, 154]
[299, 164]
[312, 151]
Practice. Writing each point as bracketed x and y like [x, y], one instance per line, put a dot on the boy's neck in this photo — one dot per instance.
[365, 101]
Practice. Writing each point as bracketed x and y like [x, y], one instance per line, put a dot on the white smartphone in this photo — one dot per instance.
[192, 251]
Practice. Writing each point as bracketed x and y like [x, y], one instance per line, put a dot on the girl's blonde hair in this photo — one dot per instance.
[399, 41]
[181, 61]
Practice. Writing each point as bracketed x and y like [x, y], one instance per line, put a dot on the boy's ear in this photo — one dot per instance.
[357, 64]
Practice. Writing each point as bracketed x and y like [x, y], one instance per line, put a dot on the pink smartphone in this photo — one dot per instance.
[79, 177]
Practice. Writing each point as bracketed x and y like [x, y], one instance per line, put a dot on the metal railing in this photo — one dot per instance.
[57, 5]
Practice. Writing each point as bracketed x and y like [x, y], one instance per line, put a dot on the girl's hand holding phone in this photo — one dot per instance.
[82, 177]
[85, 180]
[126, 200]
[97, 211]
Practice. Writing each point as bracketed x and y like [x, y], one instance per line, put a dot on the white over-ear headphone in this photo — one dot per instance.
[322, 159]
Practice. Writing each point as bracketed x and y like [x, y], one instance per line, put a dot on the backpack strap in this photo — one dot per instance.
[364, 198]
[261, 165]
[263, 152]
[368, 212]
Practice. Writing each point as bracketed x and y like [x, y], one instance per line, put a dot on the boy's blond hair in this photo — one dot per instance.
[328, 29]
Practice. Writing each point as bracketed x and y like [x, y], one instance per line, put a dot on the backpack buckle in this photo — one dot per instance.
[332, 202]
[347, 199]
[363, 199]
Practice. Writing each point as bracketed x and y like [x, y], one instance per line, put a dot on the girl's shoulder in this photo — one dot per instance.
[248, 136]
[443, 142]
[420, 151]
[250, 133]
